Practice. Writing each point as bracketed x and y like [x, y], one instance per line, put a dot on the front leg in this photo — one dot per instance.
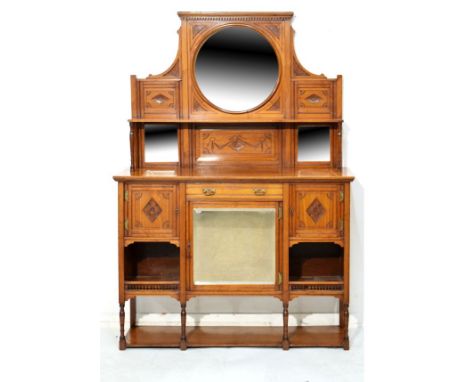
[285, 326]
[183, 321]
[122, 341]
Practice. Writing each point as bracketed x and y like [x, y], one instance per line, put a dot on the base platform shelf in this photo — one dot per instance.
[234, 336]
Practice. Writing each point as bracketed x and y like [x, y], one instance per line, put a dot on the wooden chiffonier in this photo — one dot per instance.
[236, 185]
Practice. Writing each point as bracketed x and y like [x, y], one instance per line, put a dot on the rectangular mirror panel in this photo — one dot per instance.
[313, 144]
[161, 144]
[234, 246]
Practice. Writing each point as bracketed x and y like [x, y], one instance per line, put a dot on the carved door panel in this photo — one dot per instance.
[318, 211]
[151, 211]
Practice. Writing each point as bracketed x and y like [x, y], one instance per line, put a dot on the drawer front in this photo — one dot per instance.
[151, 211]
[242, 191]
[318, 211]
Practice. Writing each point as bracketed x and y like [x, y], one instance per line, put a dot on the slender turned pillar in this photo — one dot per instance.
[122, 341]
[285, 326]
[133, 312]
[183, 319]
[344, 323]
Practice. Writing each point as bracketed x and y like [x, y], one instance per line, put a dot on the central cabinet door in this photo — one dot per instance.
[234, 245]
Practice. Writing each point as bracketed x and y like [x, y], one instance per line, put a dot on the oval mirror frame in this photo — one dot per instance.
[267, 95]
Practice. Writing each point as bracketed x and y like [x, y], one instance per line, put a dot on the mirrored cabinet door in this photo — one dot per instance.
[161, 143]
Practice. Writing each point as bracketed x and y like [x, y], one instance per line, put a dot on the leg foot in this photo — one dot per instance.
[122, 340]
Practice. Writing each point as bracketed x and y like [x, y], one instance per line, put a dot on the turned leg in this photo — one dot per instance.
[133, 312]
[122, 341]
[344, 323]
[285, 326]
[183, 322]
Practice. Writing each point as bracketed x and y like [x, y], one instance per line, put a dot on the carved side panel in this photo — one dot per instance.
[317, 211]
[233, 146]
[151, 211]
[159, 98]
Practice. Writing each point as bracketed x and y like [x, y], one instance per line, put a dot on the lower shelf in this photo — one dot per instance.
[234, 336]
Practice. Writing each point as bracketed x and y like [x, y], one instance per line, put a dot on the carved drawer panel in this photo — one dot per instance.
[227, 190]
[159, 99]
[151, 211]
[236, 146]
[317, 211]
[314, 99]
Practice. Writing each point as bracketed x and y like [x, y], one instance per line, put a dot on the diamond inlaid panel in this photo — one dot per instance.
[315, 210]
[152, 210]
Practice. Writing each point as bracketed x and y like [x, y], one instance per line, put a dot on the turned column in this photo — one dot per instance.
[285, 326]
[183, 322]
[344, 323]
[122, 341]
[133, 312]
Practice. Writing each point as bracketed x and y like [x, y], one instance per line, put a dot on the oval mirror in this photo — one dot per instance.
[236, 69]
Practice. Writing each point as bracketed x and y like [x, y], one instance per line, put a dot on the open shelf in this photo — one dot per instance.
[151, 265]
[316, 267]
[227, 336]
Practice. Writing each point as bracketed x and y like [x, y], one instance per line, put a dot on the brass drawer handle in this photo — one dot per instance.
[209, 191]
[259, 191]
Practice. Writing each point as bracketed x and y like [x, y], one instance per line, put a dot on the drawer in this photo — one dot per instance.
[226, 190]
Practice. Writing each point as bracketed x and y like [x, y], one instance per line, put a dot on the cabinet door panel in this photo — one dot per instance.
[152, 210]
[317, 211]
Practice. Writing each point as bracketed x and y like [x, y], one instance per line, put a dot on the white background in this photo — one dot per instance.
[64, 101]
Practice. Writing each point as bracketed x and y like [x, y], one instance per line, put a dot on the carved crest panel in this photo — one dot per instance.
[151, 210]
[314, 99]
[237, 146]
[159, 100]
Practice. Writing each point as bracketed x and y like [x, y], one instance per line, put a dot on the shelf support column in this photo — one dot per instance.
[133, 312]
[285, 326]
[122, 341]
[183, 321]
[344, 322]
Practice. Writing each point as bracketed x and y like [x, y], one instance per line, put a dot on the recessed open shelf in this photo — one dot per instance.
[316, 263]
[151, 263]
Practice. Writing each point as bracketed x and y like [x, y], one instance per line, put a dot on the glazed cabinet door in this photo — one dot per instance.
[151, 210]
[317, 211]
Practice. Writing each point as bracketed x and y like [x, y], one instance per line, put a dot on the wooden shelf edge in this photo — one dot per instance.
[228, 121]
[235, 336]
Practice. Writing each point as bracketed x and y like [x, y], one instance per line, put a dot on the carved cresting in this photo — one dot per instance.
[152, 210]
[316, 210]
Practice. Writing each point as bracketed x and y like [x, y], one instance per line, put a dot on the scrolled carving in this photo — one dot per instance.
[237, 143]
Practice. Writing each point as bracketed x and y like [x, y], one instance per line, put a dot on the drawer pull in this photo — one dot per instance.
[259, 191]
[209, 191]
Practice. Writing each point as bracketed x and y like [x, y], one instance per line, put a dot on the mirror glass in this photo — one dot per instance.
[313, 144]
[236, 69]
[234, 246]
[161, 143]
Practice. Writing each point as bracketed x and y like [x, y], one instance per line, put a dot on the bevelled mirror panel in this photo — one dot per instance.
[161, 143]
[236, 69]
[234, 246]
[313, 144]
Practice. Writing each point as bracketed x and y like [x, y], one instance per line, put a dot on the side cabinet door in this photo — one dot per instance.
[151, 210]
[318, 211]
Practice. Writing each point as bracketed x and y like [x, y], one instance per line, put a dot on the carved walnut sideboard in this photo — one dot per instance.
[254, 201]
